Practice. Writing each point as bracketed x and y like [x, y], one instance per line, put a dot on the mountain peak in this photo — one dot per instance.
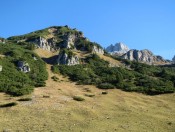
[118, 48]
[173, 59]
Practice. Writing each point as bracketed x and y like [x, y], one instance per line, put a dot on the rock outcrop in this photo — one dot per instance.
[117, 49]
[173, 60]
[98, 50]
[69, 41]
[46, 44]
[145, 56]
[65, 59]
[2, 40]
[0, 68]
[23, 66]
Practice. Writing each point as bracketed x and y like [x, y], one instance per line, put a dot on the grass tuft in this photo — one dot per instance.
[78, 98]
[90, 95]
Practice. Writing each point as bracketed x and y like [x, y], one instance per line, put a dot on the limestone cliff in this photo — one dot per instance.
[66, 59]
[145, 56]
[98, 50]
[46, 44]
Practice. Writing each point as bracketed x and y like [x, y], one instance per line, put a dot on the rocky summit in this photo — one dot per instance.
[145, 56]
[117, 49]
[68, 42]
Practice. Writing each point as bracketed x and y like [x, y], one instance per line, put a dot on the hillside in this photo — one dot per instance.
[71, 54]
[56, 79]
[52, 108]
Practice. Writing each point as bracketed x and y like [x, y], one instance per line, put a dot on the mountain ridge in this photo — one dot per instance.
[84, 62]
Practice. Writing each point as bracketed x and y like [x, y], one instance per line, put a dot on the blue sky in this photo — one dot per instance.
[140, 24]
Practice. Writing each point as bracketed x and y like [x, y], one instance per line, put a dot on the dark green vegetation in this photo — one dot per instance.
[136, 77]
[8, 105]
[133, 76]
[25, 99]
[15, 82]
[78, 98]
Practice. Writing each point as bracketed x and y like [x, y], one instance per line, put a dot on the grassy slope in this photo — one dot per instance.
[116, 111]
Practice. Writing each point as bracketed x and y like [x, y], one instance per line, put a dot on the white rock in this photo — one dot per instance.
[0, 68]
[143, 56]
[118, 48]
[97, 50]
[64, 59]
[23, 66]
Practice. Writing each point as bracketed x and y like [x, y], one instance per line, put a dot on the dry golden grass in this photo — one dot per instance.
[116, 111]
[45, 53]
[111, 61]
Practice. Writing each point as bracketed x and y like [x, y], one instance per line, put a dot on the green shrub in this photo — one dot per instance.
[15, 82]
[78, 98]
[25, 99]
[104, 92]
[8, 105]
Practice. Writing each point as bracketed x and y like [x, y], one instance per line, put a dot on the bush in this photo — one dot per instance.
[104, 92]
[78, 98]
[25, 99]
[106, 86]
[15, 82]
[8, 105]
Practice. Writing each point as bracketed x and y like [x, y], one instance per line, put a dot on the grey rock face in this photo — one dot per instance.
[173, 59]
[46, 44]
[97, 50]
[23, 66]
[69, 41]
[2, 40]
[117, 49]
[0, 68]
[64, 59]
[145, 56]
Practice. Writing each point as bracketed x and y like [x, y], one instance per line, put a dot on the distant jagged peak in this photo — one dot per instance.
[173, 59]
[118, 48]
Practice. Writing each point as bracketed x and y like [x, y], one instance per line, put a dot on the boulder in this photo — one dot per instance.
[23, 66]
